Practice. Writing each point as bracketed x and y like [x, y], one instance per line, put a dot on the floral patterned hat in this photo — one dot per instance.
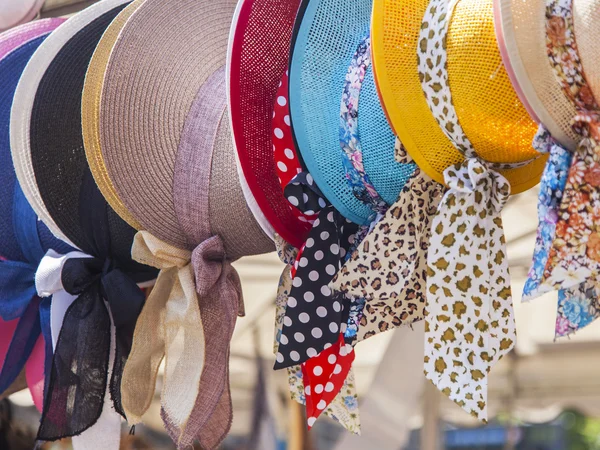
[564, 90]
[348, 149]
[451, 103]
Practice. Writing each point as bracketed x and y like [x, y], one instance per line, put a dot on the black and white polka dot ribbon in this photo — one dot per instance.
[313, 319]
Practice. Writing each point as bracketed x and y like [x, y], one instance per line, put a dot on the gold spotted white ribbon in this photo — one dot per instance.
[470, 320]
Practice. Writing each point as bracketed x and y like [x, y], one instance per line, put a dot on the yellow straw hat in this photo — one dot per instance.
[488, 108]
[90, 113]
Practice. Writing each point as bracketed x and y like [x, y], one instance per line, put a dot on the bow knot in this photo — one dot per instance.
[151, 251]
[474, 177]
[209, 262]
[188, 321]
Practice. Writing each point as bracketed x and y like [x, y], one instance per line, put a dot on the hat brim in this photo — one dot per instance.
[524, 31]
[22, 109]
[257, 58]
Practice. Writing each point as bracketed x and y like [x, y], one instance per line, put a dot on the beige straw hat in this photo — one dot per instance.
[523, 27]
[161, 58]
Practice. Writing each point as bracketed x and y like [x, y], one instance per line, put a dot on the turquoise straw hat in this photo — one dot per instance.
[327, 36]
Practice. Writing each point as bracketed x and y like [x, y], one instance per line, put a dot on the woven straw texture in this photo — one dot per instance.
[524, 29]
[90, 112]
[150, 84]
[24, 100]
[258, 56]
[377, 141]
[18, 35]
[228, 212]
[327, 38]
[481, 90]
[586, 17]
[161, 58]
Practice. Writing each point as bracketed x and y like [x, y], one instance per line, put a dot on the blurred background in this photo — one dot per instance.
[544, 396]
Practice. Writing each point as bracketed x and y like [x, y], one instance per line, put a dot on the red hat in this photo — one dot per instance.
[258, 58]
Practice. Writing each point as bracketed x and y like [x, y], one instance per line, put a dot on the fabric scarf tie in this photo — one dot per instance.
[574, 256]
[93, 312]
[18, 296]
[312, 320]
[344, 407]
[469, 314]
[190, 316]
[389, 268]
[577, 306]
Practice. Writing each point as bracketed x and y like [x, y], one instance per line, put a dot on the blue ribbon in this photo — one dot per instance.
[18, 295]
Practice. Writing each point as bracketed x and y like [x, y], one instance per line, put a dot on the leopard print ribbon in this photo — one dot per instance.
[574, 256]
[469, 314]
[388, 269]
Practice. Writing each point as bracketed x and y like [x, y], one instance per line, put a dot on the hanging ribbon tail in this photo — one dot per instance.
[552, 186]
[470, 319]
[389, 267]
[313, 318]
[169, 326]
[125, 300]
[287, 254]
[324, 377]
[106, 432]
[577, 308]
[25, 336]
[219, 296]
[78, 378]
[574, 256]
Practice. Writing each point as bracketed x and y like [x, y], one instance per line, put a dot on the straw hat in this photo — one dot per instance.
[189, 43]
[523, 28]
[15, 12]
[23, 105]
[90, 112]
[24, 239]
[486, 104]
[17, 36]
[93, 287]
[257, 59]
[327, 37]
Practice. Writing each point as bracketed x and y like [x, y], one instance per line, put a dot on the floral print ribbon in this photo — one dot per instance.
[359, 181]
[389, 267]
[574, 256]
[469, 314]
[577, 306]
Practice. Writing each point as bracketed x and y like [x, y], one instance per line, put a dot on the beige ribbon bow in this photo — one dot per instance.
[188, 319]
